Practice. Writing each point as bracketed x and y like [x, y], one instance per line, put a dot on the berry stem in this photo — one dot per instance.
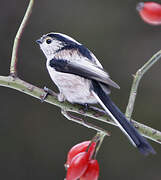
[100, 137]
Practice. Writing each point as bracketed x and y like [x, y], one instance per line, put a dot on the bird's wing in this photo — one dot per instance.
[84, 68]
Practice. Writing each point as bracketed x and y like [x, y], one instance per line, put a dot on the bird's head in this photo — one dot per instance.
[53, 42]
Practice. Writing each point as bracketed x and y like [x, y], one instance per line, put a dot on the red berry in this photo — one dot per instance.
[92, 171]
[91, 149]
[78, 166]
[150, 12]
[81, 147]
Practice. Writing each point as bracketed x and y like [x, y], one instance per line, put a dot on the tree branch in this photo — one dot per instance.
[137, 77]
[84, 123]
[95, 113]
[13, 65]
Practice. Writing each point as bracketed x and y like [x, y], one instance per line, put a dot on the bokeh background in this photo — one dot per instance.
[34, 136]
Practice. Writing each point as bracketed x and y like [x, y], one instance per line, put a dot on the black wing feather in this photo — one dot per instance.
[85, 69]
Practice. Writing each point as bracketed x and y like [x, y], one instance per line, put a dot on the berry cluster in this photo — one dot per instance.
[80, 164]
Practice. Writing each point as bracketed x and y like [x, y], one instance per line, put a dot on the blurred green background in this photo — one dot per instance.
[34, 136]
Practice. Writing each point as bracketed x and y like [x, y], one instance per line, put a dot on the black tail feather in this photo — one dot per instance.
[126, 126]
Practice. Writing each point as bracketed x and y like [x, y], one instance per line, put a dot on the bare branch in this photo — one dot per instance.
[13, 65]
[95, 113]
[137, 77]
[84, 123]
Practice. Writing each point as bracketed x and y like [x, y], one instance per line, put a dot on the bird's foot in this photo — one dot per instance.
[47, 92]
[86, 106]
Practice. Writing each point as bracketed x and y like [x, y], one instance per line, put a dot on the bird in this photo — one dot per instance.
[81, 79]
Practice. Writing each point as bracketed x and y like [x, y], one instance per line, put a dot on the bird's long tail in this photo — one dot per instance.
[128, 129]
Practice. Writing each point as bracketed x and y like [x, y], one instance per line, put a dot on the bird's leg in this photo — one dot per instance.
[47, 92]
[61, 97]
[82, 122]
[86, 106]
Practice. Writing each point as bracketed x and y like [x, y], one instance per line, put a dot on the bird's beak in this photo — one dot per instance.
[39, 41]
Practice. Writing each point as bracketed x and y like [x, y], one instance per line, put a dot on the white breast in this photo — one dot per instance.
[76, 89]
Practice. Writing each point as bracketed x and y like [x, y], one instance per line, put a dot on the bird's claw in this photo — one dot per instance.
[86, 106]
[47, 92]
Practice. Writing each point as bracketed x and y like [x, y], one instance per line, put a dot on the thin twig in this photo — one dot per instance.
[137, 77]
[84, 123]
[14, 58]
[101, 136]
[29, 89]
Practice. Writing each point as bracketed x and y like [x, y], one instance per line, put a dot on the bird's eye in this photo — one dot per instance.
[48, 41]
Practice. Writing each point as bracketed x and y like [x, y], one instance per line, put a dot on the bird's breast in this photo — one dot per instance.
[76, 89]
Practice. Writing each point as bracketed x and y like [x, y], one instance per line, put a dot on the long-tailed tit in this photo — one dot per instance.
[81, 79]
